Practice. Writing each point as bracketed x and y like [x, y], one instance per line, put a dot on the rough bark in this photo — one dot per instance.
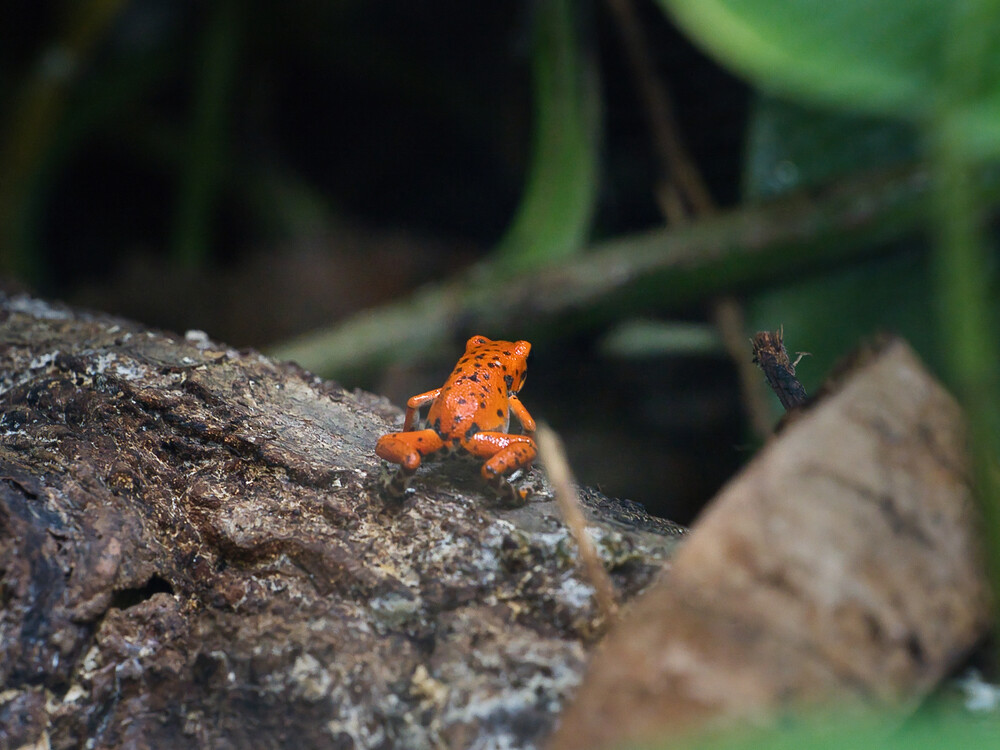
[840, 567]
[192, 553]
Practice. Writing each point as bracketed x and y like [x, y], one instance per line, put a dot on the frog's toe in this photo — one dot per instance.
[394, 484]
[509, 495]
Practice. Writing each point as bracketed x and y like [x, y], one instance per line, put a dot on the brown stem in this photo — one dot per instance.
[731, 323]
[553, 457]
[770, 355]
[682, 180]
[667, 140]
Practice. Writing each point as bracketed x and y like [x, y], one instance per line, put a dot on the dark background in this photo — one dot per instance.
[354, 150]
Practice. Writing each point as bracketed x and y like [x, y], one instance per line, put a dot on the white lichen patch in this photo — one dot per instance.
[101, 363]
[131, 371]
[487, 557]
[395, 610]
[546, 683]
[36, 308]
[107, 363]
[575, 593]
[554, 540]
[980, 696]
[309, 680]
[42, 361]
[13, 379]
[454, 559]
[355, 722]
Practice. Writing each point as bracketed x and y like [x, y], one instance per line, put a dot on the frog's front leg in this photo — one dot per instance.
[406, 449]
[526, 420]
[414, 404]
[505, 454]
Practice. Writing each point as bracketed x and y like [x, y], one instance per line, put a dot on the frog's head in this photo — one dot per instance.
[512, 356]
[519, 364]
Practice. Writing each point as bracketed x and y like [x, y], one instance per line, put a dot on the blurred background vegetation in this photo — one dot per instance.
[362, 185]
[262, 170]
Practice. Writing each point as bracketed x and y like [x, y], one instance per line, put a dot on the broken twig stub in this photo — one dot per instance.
[770, 355]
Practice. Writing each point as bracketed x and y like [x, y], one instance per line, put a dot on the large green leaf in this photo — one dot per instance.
[887, 57]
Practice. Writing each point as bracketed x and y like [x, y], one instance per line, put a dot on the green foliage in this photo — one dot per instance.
[29, 141]
[834, 52]
[207, 144]
[791, 146]
[894, 58]
[932, 730]
[554, 217]
[932, 64]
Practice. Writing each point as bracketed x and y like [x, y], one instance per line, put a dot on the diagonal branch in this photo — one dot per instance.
[663, 269]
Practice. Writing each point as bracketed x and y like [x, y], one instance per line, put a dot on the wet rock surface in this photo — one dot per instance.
[193, 553]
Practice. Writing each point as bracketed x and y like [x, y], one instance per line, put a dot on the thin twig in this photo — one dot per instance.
[553, 457]
[667, 140]
[682, 180]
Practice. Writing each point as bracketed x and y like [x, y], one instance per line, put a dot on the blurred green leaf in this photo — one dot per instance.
[885, 58]
[933, 729]
[639, 339]
[556, 210]
[34, 118]
[880, 58]
[791, 146]
[202, 167]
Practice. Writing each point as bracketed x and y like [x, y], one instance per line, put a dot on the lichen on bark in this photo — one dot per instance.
[192, 552]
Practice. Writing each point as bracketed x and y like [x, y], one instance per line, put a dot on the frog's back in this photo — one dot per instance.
[475, 396]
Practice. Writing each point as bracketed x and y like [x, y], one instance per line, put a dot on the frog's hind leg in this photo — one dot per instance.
[505, 454]
[406, 449]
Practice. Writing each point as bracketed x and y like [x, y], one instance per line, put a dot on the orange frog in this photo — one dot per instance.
[470, 414]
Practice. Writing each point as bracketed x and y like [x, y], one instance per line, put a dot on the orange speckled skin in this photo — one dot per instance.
[470, 413]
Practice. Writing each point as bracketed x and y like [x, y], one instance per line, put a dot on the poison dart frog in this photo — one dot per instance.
[470, 414]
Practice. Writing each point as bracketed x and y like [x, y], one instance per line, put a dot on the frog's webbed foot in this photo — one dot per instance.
[507, 456]
[394, 484]
[505, 491]
[406, 449]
